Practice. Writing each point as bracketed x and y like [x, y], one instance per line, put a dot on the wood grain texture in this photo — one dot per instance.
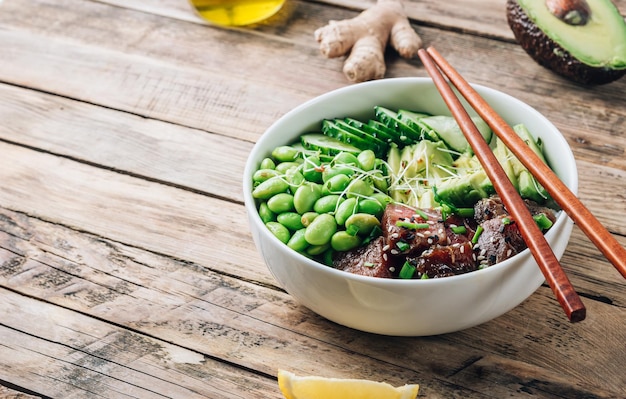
[258, 327]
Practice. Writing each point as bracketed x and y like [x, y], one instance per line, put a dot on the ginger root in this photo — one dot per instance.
[365, 37]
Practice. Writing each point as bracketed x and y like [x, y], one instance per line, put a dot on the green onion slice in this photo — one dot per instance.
[407, 271]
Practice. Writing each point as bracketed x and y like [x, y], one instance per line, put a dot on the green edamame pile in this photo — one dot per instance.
[317, 203]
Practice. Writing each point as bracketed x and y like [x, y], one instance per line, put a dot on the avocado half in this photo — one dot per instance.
[584, 42]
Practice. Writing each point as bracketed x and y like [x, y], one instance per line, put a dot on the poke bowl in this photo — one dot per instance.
[350, 280]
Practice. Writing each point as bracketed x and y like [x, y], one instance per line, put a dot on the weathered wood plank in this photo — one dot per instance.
[131, 210]
[131, 144]
[68, 355]
[146, 78]
[260, 328]
[6, 393]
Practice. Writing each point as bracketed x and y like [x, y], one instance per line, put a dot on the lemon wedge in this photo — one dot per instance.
[313, 387]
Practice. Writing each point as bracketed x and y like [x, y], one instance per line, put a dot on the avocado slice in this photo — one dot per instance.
[585, 43]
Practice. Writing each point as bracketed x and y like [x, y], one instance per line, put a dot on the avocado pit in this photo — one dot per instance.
[582, 40]
[572, 12]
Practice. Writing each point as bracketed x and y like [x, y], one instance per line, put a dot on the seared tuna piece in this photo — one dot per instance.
[489, 208]
[367, 261]
[499, 240]
[409, 233]
[442, 261]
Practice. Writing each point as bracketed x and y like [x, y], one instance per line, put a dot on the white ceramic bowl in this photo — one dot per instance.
[405, 307]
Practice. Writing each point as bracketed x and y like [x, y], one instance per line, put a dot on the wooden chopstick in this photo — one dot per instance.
[584, 219]
[532, 235]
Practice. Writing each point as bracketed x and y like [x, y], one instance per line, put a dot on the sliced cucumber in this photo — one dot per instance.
[390, 119]
[379, 144]
[364, 127]
[398, 137]
[330, 128]
[326, 145]
[414, 120]
[450, 133]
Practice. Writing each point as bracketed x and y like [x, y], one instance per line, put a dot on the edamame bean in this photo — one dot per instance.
[359, 188]
[363, 223]
[283, 167]
[282, 202]
[297, 242]
[342, 241]
[291, 220]
[263, 174]
[266, 214]
[294, 177]
[327, 203]
[331, 171]
[321, 229]
[380, 181]
[307, 218]
[315, 250]
[336, 184]
[366, 160]
[267, 163]
[285, 153]
[280, 231]
[345, 210]
[371, 206]
[384, 199]
[270, 188]
[305, 197]
[312, 169]
[345, 158]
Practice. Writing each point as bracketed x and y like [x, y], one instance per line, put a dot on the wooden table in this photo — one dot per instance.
[126, 266]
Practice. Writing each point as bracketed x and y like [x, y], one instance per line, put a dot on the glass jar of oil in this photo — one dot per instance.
[236, 12]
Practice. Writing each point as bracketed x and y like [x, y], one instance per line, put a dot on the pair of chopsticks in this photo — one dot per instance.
[548, 263]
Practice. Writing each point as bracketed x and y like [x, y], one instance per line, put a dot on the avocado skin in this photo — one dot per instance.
[549, 54]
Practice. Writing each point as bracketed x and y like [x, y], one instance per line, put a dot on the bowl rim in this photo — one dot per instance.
[254, 217]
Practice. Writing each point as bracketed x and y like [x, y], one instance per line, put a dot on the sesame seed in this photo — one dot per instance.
[394, 251]
[462, 249]
[395, 235]
[420, 235]
[392, 269]
[385, 256]
[480, 257]
[508, 253]
[386, 248]
[483, 251]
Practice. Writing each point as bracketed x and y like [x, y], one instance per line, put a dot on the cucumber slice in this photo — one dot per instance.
[397, 136]
[331, 129]
[326, 145]
[413, 119]
[390, 119]
[450, 133]
[381, 146]
[369, 130]
[358, 132]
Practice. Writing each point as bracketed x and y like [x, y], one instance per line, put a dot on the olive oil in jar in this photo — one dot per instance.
[236, 12]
